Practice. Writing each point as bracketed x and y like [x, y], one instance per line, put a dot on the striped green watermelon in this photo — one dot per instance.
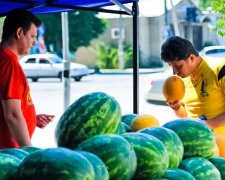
[122, 128]
[219, 162]
[128, 118]
[29, 149]
[152, 156]
[92, 114]
[171, 141]
[115, 151]
[177, 174]
[128, 128]
[100, 168]
[55, 164]
[8, 166]
[197, 138]
[200, 168]
[19, 153]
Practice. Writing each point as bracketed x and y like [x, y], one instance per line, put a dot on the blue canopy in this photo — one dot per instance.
[50, 6]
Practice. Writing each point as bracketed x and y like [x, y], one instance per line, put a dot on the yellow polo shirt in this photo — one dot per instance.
[205, 91]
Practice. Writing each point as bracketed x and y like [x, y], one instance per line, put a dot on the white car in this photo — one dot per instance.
[153, 86]
[37, 66]
[215, 51]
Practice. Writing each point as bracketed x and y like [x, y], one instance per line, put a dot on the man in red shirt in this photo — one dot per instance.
[18, 118]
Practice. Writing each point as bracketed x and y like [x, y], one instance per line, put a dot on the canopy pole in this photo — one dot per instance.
[66, 71]
[135, 58]
[122, 6]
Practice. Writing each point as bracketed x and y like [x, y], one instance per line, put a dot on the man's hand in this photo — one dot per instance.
[176, 105]
[179, 108]
[43, 120]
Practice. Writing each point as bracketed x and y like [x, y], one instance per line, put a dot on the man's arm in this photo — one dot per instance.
[216, 121]
[16, 122]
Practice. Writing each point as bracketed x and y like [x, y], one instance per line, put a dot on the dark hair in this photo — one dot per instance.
[176, 48]
[18, 18]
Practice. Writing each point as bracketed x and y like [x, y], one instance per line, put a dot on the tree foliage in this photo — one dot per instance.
[83, 27]
[204, 4]
[219, 7]
[107, 56]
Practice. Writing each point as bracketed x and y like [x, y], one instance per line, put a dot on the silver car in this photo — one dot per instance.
[215, 51]
[37, 66]
[153, 86]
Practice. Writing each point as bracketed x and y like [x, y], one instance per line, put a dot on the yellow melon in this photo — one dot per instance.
[173, 88]
[144, 121]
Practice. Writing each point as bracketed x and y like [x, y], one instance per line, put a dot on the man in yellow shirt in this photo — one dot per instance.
[204, 82]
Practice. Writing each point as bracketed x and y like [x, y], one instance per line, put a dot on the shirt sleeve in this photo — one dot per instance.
[221, 77]
[12, 85]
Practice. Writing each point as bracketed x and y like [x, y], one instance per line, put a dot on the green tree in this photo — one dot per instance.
[219, 7]
[107, 56]
[204, 4]
[83, 27]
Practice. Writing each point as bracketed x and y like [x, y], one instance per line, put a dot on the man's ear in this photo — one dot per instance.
[19, 33]
[192, 57]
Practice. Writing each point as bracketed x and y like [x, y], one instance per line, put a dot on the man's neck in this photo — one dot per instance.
[9, 45]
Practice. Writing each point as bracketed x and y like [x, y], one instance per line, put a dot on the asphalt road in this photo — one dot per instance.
[48, 97]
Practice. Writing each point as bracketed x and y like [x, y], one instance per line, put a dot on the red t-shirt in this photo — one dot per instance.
[14, 85]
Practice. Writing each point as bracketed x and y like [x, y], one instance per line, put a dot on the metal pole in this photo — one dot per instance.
[135, 59]
[120, 44]
[174, 19]
[66, 71]
[166, 32]
[116, 2]
[166, 13]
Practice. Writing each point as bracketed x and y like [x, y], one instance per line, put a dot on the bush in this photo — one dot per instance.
[108, 56]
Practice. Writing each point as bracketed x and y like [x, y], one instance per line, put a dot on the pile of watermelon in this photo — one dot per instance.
[96, 142]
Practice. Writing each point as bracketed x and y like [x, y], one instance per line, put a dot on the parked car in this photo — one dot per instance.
[218, 51]
[154, 83]
[153, 86]
[48, 65]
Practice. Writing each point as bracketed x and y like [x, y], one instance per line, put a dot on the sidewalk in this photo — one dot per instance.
[126, 71]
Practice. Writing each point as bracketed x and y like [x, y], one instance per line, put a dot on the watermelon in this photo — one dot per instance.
[19, 153]
[171, 141]
[29, 149]
[8, 166]
[219, 162]
[56, 164]
[100, 168]
[116, 153]
[177, 174]
[200, 168]
[152, 157]
[92, 114]
[128, 118]
[197, 138]
[122, 128]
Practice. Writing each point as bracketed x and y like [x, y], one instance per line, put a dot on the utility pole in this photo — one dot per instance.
[166, 21]
[66, 71]
[120, 44]
[174, 19]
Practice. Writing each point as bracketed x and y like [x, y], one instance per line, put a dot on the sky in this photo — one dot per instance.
[147, 8]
